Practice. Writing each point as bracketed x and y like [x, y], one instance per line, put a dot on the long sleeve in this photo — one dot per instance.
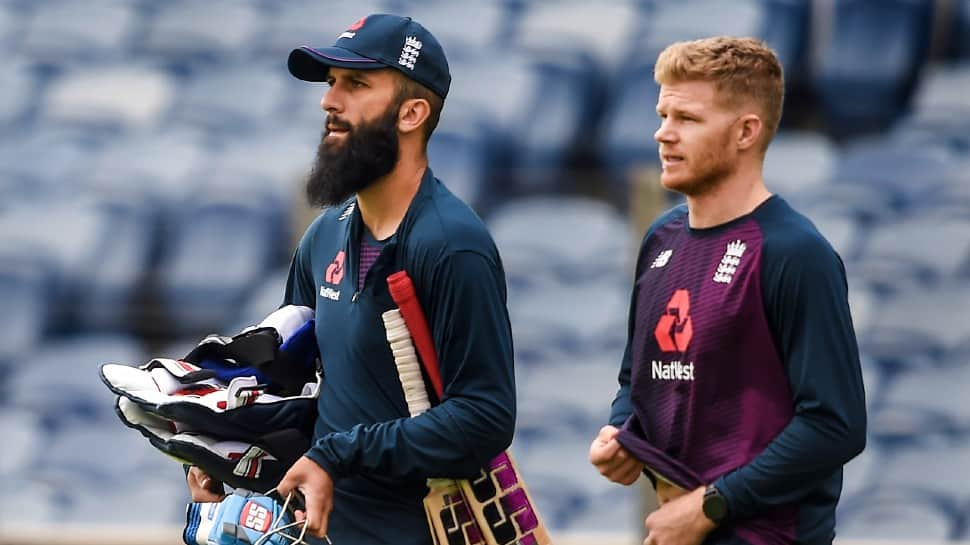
[622, 406]
[299, 282]
[465, 305]
[805, 296]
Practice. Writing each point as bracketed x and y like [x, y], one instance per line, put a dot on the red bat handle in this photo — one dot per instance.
[402, 291]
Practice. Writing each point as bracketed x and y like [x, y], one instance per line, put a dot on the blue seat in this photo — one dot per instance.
[308, 22]
[19, 92]
[112, 285]
[220, 247]
[936, 393]
[905, 173]
[558, 121]
[898, 256]
[583, 383]
[572, 239]
[669, 22]
[262, 301]
[941, 89]
[866, 69]
[573, 24]
[186, 31]
[88, 98]
[799, 162]
[25, 288]
[25, 440]
[69, 366]
[204, 100]
[960, 46]
[537, 108]
[894, 513]
[460, 156]
[79, 31]
[785, 28]
[460, 27]
[67, 244]
[627, 144]
[158, 164]
[919, 329]
[43, 164]
[610, 512]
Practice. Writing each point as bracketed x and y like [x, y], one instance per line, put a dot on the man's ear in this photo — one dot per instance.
[750, 131]
[412, 114]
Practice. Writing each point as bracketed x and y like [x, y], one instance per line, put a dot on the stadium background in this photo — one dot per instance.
[150, 192]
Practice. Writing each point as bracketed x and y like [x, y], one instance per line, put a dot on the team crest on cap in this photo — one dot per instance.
[410, 52]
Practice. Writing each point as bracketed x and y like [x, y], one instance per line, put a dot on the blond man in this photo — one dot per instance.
[741, 393]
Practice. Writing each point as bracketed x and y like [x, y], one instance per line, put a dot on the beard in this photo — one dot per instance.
[343, 169]
[707, 170]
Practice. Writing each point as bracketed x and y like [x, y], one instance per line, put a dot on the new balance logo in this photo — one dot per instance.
[729, 263]
[662, 259]
[410, 52]
[347, 212]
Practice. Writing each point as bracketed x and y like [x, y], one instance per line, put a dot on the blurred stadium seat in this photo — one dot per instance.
[309, 22]
[184, 32]
[222, 242]
[866, 59]
[74, 31]
[110, 97]
[896, 513]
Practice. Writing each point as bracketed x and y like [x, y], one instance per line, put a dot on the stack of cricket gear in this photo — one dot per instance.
[244, 518]
[240, 408]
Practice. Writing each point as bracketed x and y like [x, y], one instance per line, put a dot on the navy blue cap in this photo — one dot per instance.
[378, 41]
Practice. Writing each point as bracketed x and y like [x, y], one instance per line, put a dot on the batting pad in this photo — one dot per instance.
[242, 518]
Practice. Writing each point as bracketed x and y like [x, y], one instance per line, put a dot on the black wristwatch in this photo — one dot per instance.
[715, 505]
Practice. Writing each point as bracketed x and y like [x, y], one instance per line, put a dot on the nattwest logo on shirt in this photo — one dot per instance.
[730, 261]
[673, 333]
[334, 274]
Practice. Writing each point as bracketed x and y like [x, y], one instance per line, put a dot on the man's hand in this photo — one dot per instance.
[316, 486]
[612, 460]
[204, 488]
[680, 521]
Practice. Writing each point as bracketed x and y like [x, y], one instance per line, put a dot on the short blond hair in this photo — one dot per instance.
[742, 69]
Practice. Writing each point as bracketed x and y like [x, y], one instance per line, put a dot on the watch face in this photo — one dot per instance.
[715, 506]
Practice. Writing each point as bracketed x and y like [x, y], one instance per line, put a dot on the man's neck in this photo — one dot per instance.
[385, 202]
[737, 195]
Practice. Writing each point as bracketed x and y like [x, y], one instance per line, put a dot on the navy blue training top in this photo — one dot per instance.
[364, 438]
[742, 370]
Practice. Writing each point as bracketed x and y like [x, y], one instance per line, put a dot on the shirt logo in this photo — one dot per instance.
[255, 517]
[335, 271]
[730, 261]
[662, 259]
[347, 211]
[674, 330]
[334, 274]
[350, 32]
[410, 52]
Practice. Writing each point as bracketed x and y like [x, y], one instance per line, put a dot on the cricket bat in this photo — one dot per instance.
[494, 507]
